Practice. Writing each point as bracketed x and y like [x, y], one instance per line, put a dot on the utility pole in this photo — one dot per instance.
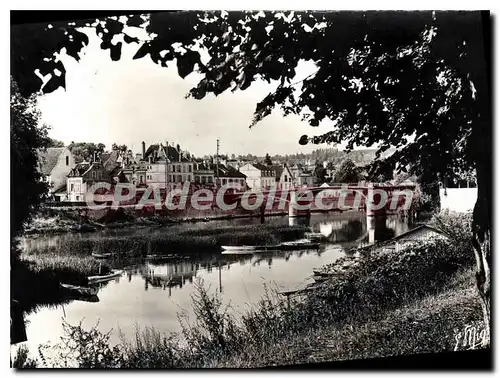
[217, 163]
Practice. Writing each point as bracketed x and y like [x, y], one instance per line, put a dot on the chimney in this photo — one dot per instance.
[143, 149]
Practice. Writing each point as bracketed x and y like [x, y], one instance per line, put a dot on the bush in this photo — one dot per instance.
[457, 226]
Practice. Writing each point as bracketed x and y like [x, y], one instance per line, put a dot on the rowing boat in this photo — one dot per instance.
[102, 255]
[299, 244]
[239, 248]
[87, 291]
[235, 252]
[314, 236]
[104, 278]
[286, 246]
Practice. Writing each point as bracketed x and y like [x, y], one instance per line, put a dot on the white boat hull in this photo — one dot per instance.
[108, 277]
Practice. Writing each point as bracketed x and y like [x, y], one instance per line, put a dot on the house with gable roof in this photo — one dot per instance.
[259, 176]
[167, 166]
[54, 164]
[82, 177]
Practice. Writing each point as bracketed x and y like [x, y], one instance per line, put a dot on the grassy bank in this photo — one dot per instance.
[36, 276]
[177, 239]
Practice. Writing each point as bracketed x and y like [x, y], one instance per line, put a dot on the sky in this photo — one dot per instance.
[130, 101]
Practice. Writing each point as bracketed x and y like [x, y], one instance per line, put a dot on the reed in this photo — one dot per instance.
[180, 240]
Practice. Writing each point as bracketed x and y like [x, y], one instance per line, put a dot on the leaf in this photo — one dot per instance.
[129, 39]
[304, 139]
[54, 83]
[116, 51]
[314, 122]
[144, 50]
[186, 62]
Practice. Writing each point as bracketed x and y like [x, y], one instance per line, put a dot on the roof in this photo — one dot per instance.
[79, 169]
[230, 172]
[62, 189]
[264, 168]
[418, 229]
[47, 159]
[405, 235]
[169, 151]
[224, 171]
[109, 160]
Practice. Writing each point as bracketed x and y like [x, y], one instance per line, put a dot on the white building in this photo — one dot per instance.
[259, 176]
[461, 200]
[55, 163]
[167, 166]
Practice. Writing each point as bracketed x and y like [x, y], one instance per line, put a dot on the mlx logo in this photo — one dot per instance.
[471, 338]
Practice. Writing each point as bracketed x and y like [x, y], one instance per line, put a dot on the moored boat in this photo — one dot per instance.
[104, 278]
[314, 236]
[231, 251]
[81, 290]
[239, 248]
[102, 255]
[299, 244]
[286, 246]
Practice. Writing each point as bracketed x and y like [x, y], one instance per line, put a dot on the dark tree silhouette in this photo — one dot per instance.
[268, 160]
[27, 135]
[86, 151]
[319, 174]
[419, 81]
[55, 143]
[347, 173]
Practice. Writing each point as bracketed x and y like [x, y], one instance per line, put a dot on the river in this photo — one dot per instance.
[153, 294]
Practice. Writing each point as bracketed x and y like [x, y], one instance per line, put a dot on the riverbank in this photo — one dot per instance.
[416, 300]
[71, 261]
[192, 239]
[35, 279]
[60, 221]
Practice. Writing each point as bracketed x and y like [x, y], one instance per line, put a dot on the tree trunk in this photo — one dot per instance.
[481, 241]
[481, 150]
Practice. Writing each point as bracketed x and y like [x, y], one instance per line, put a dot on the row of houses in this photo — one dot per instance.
[162, 165]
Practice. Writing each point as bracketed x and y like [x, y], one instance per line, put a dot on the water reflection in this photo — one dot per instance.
[150, 293]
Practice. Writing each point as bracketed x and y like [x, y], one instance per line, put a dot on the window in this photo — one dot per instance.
[223, 181]
[210, 179]
[203, 179]
[94, 175]
[67, 160]
[190, 168]
[78, 198]
[197, 179]
[179, 177]
[72, 187]
[230, 180]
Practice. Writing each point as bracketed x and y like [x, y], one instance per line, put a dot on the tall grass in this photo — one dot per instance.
[65, 266]
[181, 239]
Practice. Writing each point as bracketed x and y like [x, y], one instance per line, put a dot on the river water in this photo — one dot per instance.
[154, 294]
